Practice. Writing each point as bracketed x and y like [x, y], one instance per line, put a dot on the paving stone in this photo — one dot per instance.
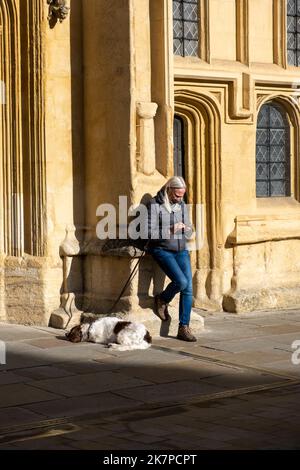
[240, 380]
[51, 443]
[285, 339]
[19, 394]
[144, 438]
[188, 369]
[7, 377]
[149, 429]
[106, 443]
[284, 367]
[8, 447]
[208, 444]
[19, 332]
[20, 355]
[117, 427]
[89, 433]
[49, 330]
[284, 328]
[77, 406]
[89, 383]
[273, 412]
[249, 444]
[42, 372]
[258, 358]
[18, 415]
[46, 343]
[246, 345]
[71, 352]
[212, 414]
[87, 366]
[145, 357]
[170, 391]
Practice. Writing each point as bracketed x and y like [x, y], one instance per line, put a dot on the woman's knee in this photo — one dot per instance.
[182, 284]
[188, 287]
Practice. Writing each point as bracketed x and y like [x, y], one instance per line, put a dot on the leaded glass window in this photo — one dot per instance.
[293, 32]
[272, 152]
[185, 27]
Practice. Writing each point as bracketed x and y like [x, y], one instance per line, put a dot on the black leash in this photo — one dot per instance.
[132, 274]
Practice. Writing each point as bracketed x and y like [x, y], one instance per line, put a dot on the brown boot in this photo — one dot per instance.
[161, 308]
[185, 334]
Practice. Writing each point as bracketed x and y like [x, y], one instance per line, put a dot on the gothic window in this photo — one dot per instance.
[272, 152]
[293, 32]
[185, 27]
[178, 147]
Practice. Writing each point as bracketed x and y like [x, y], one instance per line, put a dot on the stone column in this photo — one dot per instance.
[146, 159]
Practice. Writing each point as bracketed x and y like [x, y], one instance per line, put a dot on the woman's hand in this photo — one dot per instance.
[177, 227]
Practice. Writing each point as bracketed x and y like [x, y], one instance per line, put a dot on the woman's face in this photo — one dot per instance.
[176, 194]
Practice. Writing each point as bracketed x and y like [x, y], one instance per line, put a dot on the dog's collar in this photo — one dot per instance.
[88, 332]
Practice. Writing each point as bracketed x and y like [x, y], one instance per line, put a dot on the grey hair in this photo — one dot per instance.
[176, 182]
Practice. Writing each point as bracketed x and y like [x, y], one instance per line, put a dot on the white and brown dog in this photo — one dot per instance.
[114, 332]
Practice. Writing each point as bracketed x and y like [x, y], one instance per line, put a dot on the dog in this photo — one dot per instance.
[114, 332]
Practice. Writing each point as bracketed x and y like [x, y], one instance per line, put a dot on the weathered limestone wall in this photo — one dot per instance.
[64, 152]
[49, 163]
[24, 262]
[120, 113]
[225, 49]
[261, 31]
[58, 126]
[153, 96]
[162, 91]
[109, 118]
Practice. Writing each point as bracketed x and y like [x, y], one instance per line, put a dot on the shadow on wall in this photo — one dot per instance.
[91, 280]
[75, 270]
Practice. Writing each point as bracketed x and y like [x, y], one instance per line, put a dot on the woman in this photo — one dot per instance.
[168, 229]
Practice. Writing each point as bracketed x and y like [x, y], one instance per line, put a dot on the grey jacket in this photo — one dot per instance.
[160, 221]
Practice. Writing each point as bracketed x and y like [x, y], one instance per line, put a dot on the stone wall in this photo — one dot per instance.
[89, 117]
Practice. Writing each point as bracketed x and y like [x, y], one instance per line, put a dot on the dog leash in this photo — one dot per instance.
[132, 274]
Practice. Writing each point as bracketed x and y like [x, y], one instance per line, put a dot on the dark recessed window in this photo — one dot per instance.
[272, 152]
[185, 27]
[178, 147]
[293, 32]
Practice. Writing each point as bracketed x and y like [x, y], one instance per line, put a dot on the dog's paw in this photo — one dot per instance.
[114, 346]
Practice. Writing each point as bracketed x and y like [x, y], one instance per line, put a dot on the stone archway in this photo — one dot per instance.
[201, 119]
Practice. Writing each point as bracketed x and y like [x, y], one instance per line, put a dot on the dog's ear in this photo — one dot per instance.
[120, 326]
[148, 337]
[75, 334]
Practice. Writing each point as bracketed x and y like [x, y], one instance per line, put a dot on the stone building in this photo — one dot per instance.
[93, 95]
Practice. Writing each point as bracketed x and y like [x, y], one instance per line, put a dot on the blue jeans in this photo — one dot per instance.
[177, 266]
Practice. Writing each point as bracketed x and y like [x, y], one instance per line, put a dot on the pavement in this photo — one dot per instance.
[236, 388]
